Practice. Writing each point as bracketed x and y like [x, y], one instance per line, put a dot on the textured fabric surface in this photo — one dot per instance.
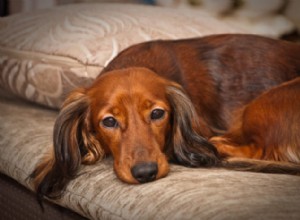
[45, 54]
[186, 193]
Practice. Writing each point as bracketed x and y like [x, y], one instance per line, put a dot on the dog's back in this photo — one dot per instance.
[221, 73]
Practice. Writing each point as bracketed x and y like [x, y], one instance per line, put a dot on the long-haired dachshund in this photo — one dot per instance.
[228, 101]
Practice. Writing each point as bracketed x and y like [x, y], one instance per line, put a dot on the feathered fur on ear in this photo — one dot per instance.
[188, 147]
[74, 143]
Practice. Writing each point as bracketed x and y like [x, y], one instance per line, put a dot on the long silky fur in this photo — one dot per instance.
[189, 148]
[72, 141]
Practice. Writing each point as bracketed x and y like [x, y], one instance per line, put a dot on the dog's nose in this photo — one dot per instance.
[144, 172]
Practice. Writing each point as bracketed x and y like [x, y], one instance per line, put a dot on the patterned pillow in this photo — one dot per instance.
[46, 54]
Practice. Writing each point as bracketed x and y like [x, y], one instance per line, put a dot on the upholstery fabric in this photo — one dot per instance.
[186, 193]
[47, 53]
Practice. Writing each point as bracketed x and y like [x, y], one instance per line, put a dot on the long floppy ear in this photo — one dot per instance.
[74, 143]
[186, 144]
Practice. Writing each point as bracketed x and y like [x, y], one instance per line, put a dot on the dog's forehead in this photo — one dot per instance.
[130, 81]
[132, 85]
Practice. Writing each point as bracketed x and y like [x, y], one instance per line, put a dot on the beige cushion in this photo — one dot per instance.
[186, 193]
[45, 54]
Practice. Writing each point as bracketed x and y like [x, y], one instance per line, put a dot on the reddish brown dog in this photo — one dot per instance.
[198, 102]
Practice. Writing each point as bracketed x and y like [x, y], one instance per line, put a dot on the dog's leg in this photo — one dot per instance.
[229, 148]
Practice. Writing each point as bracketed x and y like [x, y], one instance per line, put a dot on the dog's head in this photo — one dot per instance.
[141, 119]
[129, 115]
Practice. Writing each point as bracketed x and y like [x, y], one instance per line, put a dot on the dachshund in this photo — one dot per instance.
[229, 100]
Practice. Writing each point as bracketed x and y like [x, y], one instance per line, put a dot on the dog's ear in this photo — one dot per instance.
[186, 144]
[74, 143]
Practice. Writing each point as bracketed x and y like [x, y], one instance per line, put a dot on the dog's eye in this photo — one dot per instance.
[109, 122]
[157, 114]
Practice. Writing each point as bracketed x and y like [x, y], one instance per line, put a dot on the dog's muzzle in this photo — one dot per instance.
[144, 172]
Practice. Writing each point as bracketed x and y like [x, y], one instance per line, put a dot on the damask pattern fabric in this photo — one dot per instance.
[46, 54]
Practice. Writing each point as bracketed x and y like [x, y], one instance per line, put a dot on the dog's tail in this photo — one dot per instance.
[262, 166]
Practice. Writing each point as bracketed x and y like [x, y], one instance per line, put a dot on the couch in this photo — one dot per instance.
[46, 54]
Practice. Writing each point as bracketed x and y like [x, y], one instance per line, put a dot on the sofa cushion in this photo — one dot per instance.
[47, 53]
[186, 193]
